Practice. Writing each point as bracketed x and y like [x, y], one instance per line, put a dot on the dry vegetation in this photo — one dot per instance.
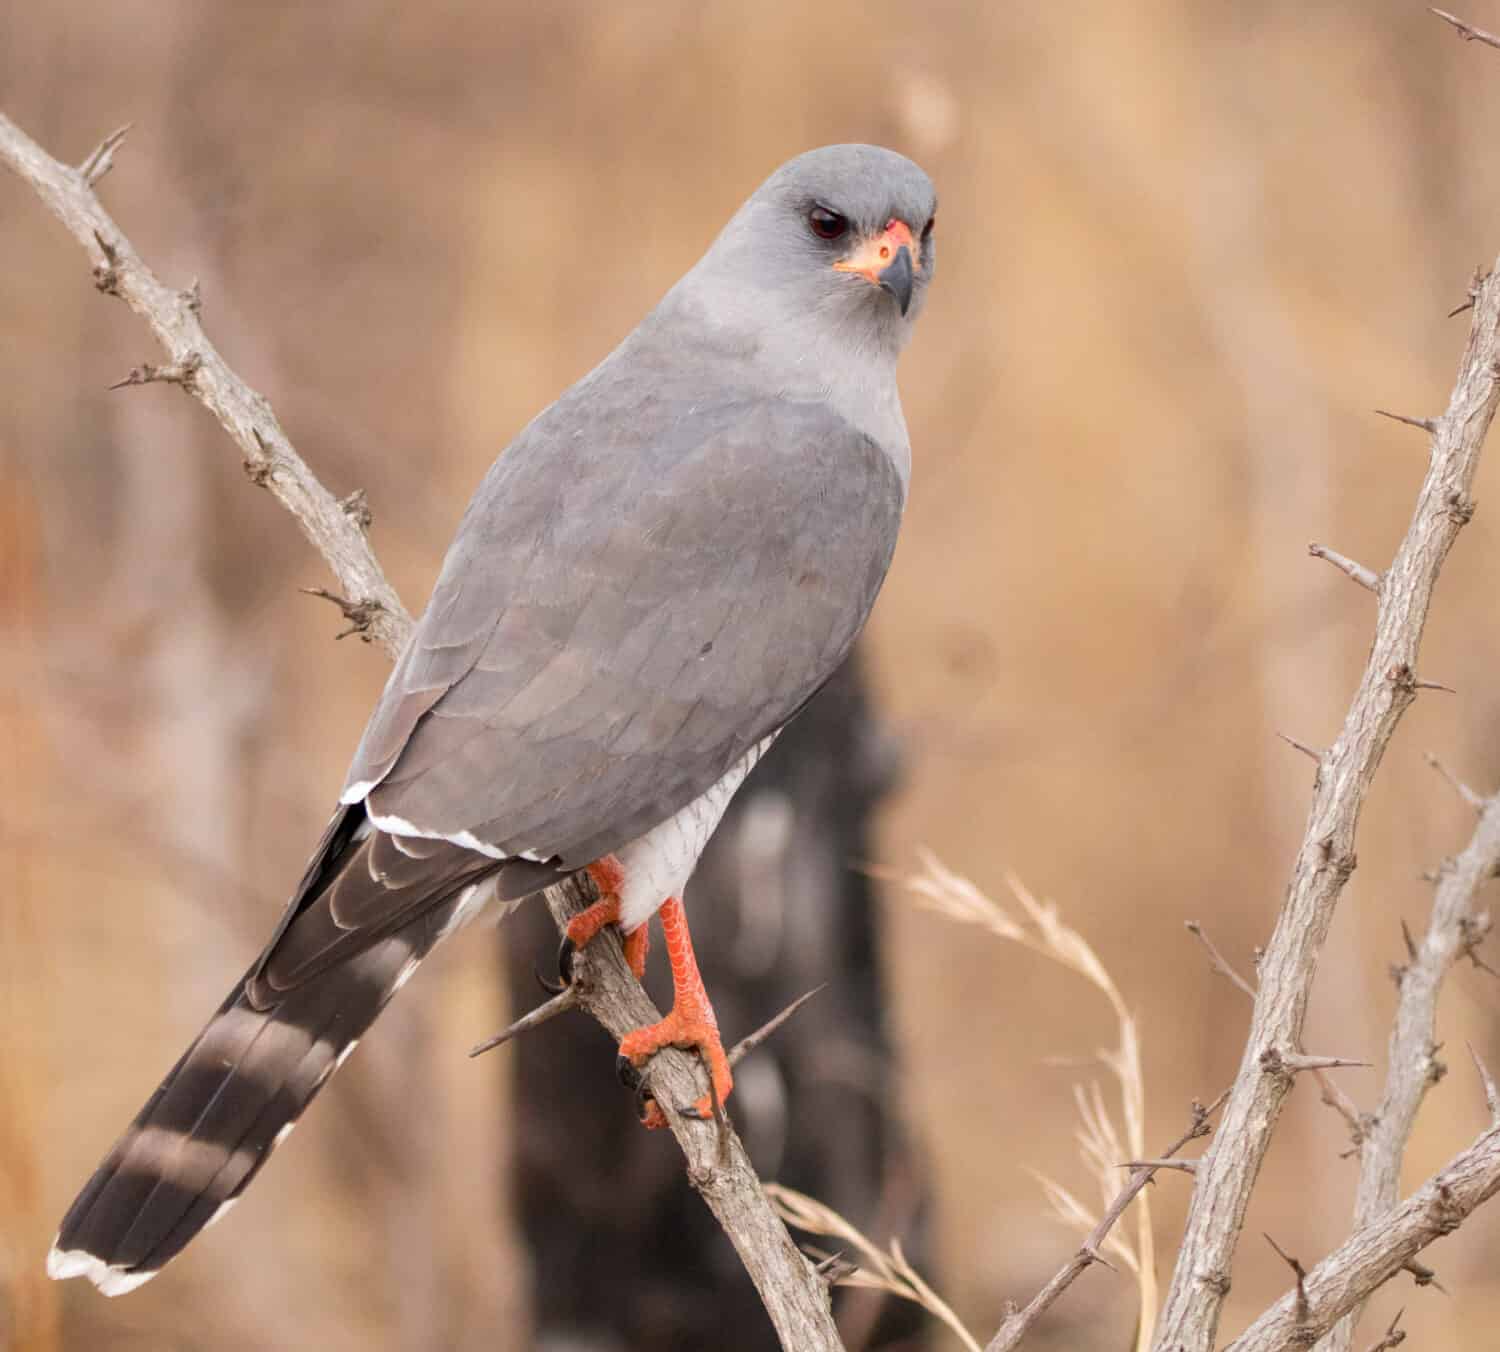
[1185, 248]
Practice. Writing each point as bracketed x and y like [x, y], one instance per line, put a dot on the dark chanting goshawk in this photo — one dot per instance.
[652, 580]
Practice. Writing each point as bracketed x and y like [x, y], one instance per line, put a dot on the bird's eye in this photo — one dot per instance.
[827, 224]
[927, 230]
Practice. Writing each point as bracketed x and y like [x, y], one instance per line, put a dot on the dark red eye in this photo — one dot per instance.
[827, 224]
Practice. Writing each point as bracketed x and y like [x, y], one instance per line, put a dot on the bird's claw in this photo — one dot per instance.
[564, 970]
[632, 1079]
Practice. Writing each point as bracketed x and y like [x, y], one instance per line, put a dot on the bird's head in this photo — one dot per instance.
[844, 234]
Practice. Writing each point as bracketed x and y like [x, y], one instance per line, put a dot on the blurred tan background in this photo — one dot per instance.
[1185, 249]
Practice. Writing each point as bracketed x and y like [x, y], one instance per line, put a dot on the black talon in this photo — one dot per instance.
[548, 986]
[633, 1080]
[565, 951]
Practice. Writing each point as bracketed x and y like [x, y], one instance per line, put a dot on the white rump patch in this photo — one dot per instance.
[393, 825]
[112, 1281]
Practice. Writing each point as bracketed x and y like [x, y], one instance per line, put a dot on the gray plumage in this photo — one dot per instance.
[653, 578]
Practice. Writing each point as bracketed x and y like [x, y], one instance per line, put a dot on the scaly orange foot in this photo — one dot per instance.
[584, 927]
[691, 1024]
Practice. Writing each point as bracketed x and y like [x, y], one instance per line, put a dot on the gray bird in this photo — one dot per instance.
[652, 580]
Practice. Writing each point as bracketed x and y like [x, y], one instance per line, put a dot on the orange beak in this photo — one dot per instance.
[887, 260]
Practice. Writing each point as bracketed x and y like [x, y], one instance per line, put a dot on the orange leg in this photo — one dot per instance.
[690, 1025]
[585, 926]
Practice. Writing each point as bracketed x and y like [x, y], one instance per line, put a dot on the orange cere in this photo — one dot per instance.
[874, 256]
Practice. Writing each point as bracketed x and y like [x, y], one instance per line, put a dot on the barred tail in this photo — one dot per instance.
[232, 1098]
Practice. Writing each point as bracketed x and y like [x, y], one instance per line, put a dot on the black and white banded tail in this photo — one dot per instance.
[232, 1098]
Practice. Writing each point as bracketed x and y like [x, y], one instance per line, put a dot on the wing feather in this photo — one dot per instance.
[634, 618]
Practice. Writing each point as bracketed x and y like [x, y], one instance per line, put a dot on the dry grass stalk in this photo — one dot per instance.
[1042, 930]
[878, 1269]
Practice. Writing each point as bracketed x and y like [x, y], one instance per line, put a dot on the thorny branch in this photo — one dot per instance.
[1018, 1323]
[1466, 31]
[1381, 1248]
[1228, 1171]
[1412, 1064]
[794, 1296]
[195, 365]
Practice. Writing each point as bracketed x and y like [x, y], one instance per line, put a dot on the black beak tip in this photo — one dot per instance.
[898, 280]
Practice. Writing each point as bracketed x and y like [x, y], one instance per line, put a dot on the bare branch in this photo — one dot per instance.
[1017, 1323]
[793, 1293]
[1474, 800]
[1357, 572]
[1378, 1250]
[1466, 31]
[1228, 1170]
[1217, 960]
[194, 362]
[1411, 1058]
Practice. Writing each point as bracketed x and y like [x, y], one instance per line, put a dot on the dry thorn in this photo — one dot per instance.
[1433, 685]
[1297, 1063]
[1428, 425]
[1394, 1335]
[1357, 572]
[748, 1044]
[1303, 747]
[1475, 282]
[560, 1003]
[175, 373]
[1423, 1275]
[1343, 1105]
[834, 1268]
[357, 507]
[102, 159]
[1301, 1274]
[360, 614]
[1217, 961]
[1473, 930]
[1491, 1093]
[1466, 31]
